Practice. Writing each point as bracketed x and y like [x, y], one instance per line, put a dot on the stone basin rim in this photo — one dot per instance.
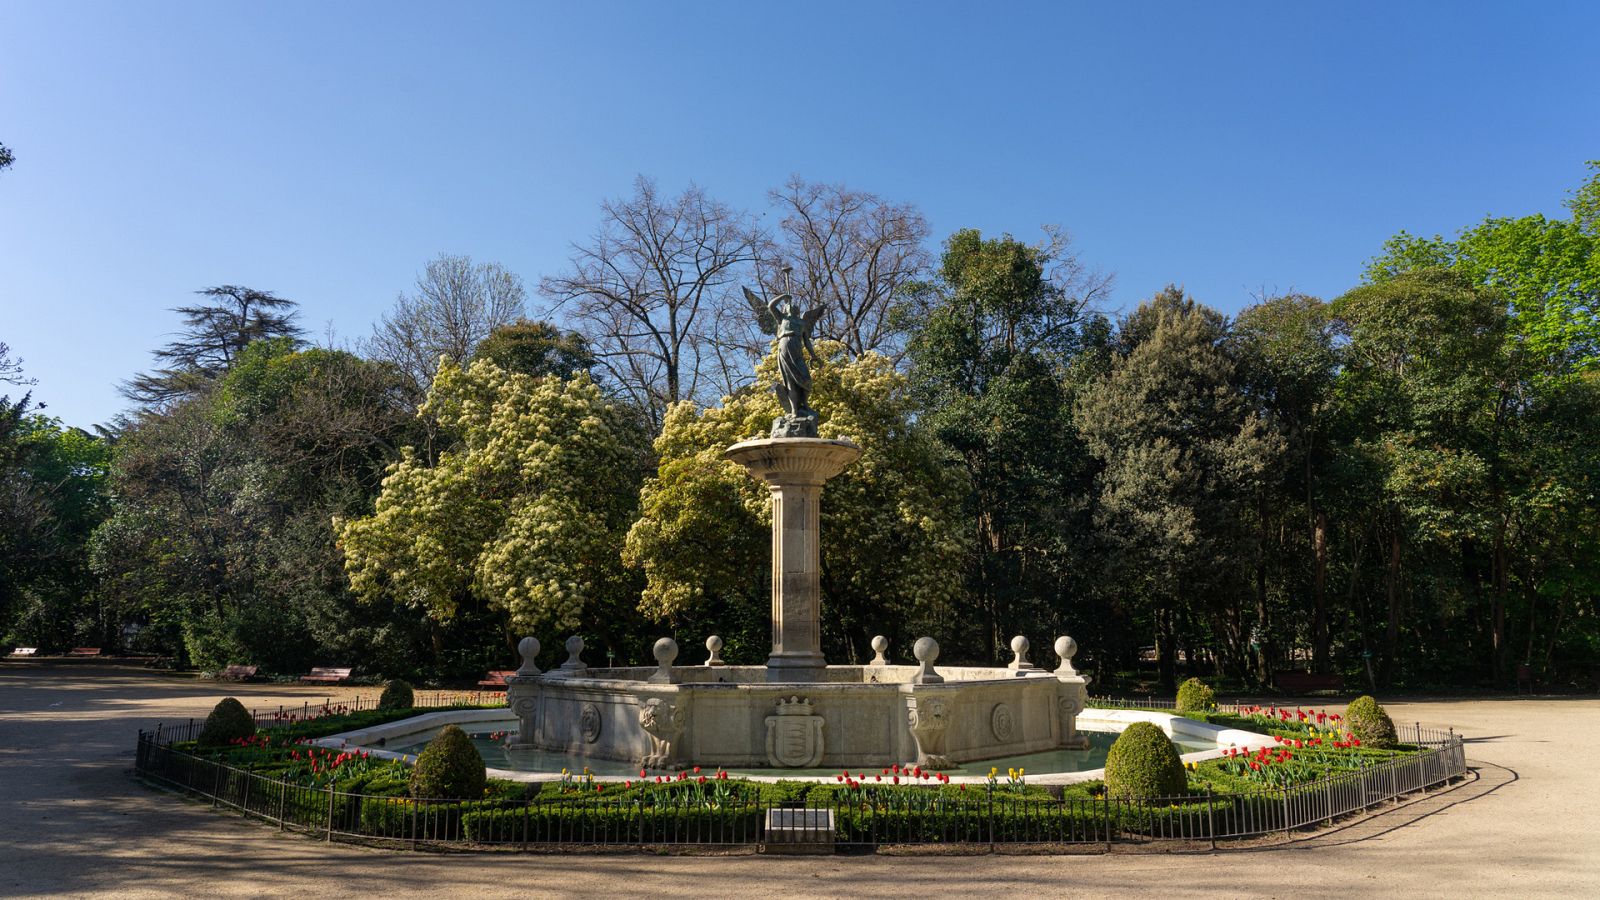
[1097, 719]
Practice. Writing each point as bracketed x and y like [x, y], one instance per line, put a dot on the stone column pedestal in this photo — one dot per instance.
[795, 469]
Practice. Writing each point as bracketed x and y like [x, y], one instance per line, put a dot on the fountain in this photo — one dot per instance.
[797, 712]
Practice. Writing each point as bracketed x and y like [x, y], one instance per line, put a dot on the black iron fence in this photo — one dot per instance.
[981, 816]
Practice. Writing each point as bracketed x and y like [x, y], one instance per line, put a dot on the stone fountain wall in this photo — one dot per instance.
[856, 717]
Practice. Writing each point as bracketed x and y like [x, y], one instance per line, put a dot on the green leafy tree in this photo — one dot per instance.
[53, 494]
[1423, 391]
[1287, 362]
[990, 343]
[890, 523]
[214, 333]
[525, 515]
[1183, 456]
[220, 541]
[1549, 269]
[535, 348]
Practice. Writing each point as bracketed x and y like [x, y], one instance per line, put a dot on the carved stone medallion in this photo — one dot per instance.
[589, 723]
[794, 735]
[1002, 723]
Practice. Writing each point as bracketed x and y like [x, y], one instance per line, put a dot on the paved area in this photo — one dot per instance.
[73, 823]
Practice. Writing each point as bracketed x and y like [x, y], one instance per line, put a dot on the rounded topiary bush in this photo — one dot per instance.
[397, 694]
[1195, 695]
[1144, 763]
[1366, 719]
[449, 768]
[228, 721]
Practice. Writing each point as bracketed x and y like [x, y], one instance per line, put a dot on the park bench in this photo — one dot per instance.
[326, 675]
[84, 651]
[238, 673]
[25, 651]
[497, 679]
[1305, 682]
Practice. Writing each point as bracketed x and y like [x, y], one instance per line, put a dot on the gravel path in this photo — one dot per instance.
[73, 823]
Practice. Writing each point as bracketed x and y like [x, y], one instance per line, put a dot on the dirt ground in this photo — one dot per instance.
[74, 823]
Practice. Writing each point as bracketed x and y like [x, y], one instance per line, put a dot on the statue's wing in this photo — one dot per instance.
[764, 317]
[813, 314]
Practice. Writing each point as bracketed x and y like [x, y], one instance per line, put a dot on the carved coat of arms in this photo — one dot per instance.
[794, 735]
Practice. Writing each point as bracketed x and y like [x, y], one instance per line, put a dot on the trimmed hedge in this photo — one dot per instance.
[1144, 763]
[449, 768]
[229, 721]
[1367, 720]
[613, 823]
[397, 694]
[1195, 695]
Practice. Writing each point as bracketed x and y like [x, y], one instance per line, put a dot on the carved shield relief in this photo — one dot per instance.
[794, 735]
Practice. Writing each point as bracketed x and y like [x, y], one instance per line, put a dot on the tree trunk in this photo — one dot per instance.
[1263, 651]
[1319, 594]
[1498, 604]
[1166, 652]
[1391, 634]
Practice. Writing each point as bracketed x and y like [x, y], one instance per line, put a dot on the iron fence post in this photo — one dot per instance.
[330, 812]
[1286, 812]
[283, 796]
[991, 818]
[1211, 819]
[1108, 821]
[216, 784]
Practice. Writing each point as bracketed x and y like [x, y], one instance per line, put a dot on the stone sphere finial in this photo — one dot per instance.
[880, 647]
[1066, 648]
[528, 647]
[1019, 654]
[926, 650]
[665, 651]
[574, 663]
[714, 648]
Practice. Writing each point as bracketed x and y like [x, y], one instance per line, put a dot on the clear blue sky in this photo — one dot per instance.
[325, 151]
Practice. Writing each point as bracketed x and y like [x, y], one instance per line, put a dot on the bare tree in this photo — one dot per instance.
[455, 307]
[214, 332]
[648, 290]
[853, 251]
[11, 369]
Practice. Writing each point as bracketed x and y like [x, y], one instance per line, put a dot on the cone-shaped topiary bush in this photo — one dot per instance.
[1367, 720]
[397, 694]
[449, 768]
[228, 720]
[1195, 695]
[1143, 763]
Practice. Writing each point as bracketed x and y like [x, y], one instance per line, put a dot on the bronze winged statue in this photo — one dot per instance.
[781, 317]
